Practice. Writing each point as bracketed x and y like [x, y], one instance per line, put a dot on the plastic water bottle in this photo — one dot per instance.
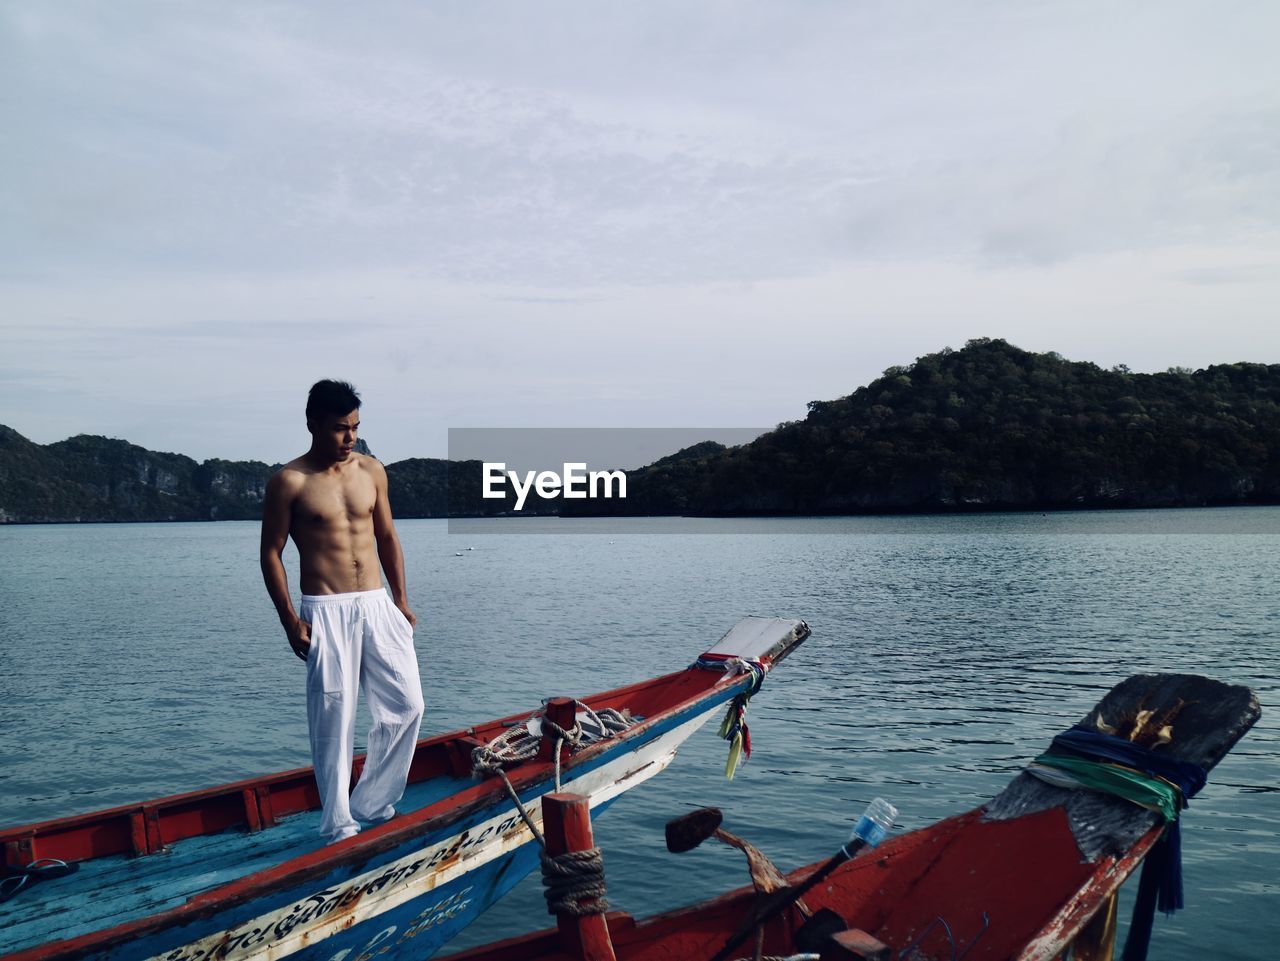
[872, 826]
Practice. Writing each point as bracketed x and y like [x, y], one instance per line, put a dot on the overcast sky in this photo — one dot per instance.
[611, 214]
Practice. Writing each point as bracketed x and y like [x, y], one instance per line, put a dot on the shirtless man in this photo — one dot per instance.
[333, 503]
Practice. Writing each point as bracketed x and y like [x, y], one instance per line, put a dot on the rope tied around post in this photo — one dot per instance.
[574, 883]
[572, 737]
[573, 873]
[519, 744]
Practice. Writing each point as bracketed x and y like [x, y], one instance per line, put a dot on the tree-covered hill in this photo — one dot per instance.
[993, 427]
[88, 478]
[91, 478]
[988, 427]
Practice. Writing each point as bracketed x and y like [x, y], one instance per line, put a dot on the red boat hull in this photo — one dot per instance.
[971, 873]
[1022, 877]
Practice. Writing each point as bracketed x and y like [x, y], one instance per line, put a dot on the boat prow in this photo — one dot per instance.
[1027, 876]
[239, 872]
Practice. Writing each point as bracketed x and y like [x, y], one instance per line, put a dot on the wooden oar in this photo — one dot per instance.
[867, 833]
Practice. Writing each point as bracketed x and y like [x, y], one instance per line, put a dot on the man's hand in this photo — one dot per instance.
[299, 634]
[408, 614]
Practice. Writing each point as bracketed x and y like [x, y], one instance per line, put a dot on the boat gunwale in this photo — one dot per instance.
[1111, 871]
[647, 928]
[370, 843]
[1044, 944]
[85, 818]
[1060, 926]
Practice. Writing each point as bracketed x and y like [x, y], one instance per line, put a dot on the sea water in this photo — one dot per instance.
[145, 659]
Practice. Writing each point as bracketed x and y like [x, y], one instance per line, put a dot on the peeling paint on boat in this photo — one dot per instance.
[332, 910]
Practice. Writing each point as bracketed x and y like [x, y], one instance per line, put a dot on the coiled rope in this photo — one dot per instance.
[574, 881]
[520, 744]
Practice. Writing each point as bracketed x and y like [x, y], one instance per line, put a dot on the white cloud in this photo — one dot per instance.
[584, 213]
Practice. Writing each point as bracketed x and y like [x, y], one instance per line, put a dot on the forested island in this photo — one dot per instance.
[987, 427]
[993, 427]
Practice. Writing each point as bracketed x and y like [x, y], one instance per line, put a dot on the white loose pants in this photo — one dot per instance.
[360, 641]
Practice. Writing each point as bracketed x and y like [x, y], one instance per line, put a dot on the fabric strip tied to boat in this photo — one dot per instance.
[1103, 762]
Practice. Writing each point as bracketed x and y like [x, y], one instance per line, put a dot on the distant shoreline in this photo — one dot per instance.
[988, 429]
[531, 518]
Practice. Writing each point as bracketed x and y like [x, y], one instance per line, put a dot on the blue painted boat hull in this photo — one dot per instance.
[402, 889]
[356, 912]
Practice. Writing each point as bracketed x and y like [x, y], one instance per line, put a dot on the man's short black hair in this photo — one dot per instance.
[331, 398]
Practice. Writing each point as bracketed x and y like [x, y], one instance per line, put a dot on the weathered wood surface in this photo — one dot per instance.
[1210, 718]
[1008, 879]
[566, 820]
[187, 862]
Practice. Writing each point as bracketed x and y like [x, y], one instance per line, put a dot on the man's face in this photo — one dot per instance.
[335, 437]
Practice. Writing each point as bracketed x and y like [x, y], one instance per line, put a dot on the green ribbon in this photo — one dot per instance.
[1149, 792]
[735, 755]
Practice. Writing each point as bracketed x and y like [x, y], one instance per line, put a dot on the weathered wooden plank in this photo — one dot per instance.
[199, 863]
[566, 822]
[1205, 718]
[1209, 718]
[116, 889]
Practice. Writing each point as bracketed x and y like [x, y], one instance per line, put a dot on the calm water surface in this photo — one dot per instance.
[141, 660]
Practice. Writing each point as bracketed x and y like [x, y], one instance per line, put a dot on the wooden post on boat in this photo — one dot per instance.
[564, 712]
[566, 825]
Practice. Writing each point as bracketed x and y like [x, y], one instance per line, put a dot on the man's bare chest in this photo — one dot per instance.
[330, 503]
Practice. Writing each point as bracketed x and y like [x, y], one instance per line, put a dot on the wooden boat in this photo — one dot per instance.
[239, 871]
[1027, 876]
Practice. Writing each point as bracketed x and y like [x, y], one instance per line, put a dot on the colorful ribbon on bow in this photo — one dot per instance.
[734, 726]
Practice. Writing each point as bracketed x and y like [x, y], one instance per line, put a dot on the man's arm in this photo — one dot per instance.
[389, 552]
[276, 514]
